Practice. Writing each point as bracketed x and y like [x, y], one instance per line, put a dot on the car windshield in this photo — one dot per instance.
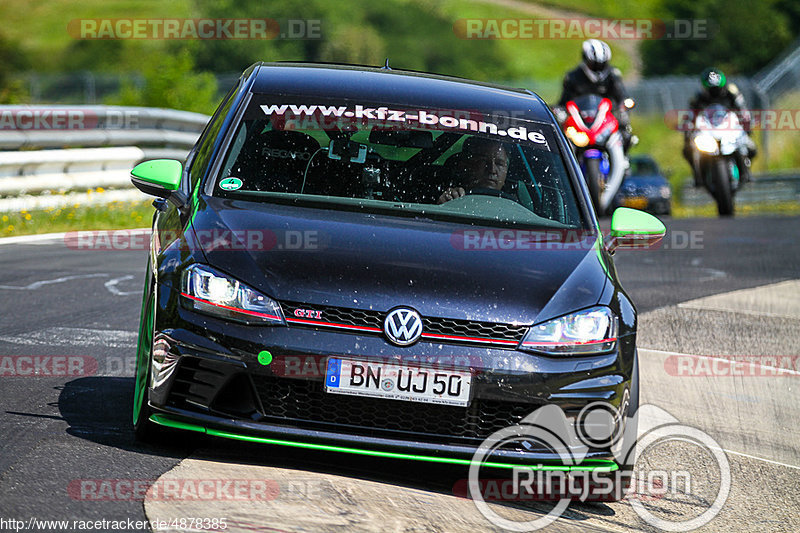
[477, 168]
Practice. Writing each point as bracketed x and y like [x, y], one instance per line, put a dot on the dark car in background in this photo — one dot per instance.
[645, 187]
[312, 282]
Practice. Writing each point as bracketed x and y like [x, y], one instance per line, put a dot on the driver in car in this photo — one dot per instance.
[482, 164]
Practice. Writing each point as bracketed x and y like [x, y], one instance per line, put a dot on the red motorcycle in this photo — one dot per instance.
[594, 131]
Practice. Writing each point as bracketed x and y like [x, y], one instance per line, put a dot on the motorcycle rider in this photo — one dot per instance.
[717, 90]
[595, 75]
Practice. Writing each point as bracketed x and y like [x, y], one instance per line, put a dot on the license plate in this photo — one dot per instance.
[636, 202]
[398, 382]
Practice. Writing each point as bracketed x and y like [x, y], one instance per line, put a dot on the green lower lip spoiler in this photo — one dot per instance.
[588, 465]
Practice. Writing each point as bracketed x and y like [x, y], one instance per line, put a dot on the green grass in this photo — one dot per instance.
[618, 9]
[710, 210]
[664, 144]
[115, 215]
[41, 26]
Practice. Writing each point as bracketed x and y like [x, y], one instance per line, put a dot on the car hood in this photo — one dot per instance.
[368, 261]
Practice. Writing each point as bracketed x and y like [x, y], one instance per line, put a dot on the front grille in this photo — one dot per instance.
[338, 315]
[431, 325]
[306, 404]
[447, 326]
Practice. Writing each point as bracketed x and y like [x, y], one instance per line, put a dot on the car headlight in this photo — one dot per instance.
[665, 191]
[706, 143]
[588, 332]
[579, 138]
[209, 291]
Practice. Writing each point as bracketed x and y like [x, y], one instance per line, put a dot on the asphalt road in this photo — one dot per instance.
[65, 438]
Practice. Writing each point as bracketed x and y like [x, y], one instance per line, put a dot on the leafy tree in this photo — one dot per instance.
[171, 81]
[744, 36]
[12, 60]
[415, 35]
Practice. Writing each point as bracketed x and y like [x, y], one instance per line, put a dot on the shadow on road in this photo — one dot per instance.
[99, 409]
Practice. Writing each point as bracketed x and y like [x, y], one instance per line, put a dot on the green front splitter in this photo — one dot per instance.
[588, 465]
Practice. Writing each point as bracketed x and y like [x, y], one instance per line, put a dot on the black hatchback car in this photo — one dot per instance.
[380, 262]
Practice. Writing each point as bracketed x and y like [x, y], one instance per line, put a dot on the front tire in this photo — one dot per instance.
[592, 175]
[721, 180]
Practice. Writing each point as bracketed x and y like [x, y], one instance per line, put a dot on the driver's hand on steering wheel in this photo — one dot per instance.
[451, 194]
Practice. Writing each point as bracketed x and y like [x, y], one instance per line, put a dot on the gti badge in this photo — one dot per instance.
[403, 326]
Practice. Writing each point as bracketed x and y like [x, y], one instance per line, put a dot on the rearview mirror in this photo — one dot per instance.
[160, 177]
[404, 138]
[347, 150]
[631, 228]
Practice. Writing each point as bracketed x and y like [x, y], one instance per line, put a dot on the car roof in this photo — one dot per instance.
[400, 87]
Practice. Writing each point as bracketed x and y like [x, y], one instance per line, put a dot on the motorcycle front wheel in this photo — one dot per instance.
[721, 180]
[593, 177]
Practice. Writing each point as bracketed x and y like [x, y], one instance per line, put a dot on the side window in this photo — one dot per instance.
[202, 157]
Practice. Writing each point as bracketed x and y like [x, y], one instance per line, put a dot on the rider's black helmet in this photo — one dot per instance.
[713, 79]
[596, 55]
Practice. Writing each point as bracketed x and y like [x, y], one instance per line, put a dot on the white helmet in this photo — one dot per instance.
[596, 55]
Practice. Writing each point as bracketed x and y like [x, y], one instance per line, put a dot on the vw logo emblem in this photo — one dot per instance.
[403, 326]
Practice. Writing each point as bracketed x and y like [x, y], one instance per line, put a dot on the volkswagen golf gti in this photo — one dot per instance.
[381, 262]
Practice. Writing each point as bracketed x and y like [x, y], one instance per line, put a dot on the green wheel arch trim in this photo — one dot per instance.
[163, 172]
[627, 221]
[144, 347]
[591, 465]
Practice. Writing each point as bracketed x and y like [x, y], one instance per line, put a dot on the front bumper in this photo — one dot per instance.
[215, 384]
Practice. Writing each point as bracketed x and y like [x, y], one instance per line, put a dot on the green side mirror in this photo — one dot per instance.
[631, 228]
[159, 177]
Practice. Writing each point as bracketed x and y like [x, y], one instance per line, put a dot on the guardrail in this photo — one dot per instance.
[64, 170]
[41, 179]
[102, 144]
[33, 127]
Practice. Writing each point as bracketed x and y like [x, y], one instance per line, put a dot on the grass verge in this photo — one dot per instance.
[710, 210]
[115, 215]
